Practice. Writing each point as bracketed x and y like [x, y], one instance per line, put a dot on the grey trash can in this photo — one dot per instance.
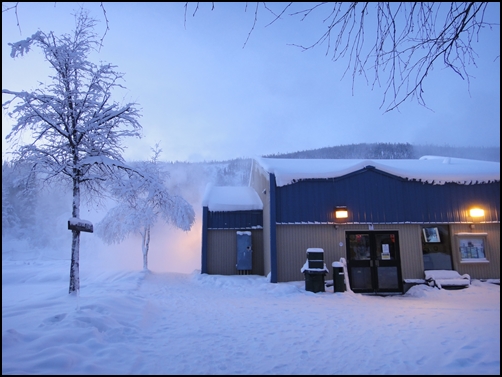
[338, 277]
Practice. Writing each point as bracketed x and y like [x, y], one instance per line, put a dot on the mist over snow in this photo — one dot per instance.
[45, 233]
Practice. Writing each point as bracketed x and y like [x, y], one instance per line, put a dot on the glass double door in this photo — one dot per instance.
[373, 262]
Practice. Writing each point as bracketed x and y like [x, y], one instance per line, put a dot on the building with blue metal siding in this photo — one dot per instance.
[377, 197]
[390, 206]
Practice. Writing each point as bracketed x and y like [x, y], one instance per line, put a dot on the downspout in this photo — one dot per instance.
[273, 245]
[205, 215]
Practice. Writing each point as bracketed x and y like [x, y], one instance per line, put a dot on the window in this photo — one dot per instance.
[471, 247]
[437, 255]
[431, 235]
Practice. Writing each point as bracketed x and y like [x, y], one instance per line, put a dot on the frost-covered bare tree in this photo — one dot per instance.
[142, 202]
[70, 129]
[394, 45]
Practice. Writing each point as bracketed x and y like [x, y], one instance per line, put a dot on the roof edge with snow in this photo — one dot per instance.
[231, 198]
[429, 169]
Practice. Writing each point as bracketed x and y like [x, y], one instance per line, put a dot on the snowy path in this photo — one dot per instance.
[167, 323]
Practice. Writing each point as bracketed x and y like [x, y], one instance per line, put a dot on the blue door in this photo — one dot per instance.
[244, 252]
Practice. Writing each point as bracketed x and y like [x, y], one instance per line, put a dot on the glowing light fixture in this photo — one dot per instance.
[341, 212]
[476, 212]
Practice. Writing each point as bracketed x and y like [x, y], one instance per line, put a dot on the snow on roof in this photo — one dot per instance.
[231, 198]
[430, 169]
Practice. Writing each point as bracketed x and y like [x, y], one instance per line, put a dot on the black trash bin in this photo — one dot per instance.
[314, 281]
[338, 277]
[314, 270]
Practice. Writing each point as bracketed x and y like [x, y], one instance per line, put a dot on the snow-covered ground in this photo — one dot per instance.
[126, 321]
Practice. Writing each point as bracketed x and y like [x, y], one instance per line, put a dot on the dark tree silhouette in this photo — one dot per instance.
[391, 45]
[399, 43]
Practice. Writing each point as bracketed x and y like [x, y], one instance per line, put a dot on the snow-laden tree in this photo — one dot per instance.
[142, 201]
[70, 129]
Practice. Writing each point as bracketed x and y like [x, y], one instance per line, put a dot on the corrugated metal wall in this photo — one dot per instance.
[372, 196]
[410, 246]
[294, 240]
[222, 252]
[235, 219]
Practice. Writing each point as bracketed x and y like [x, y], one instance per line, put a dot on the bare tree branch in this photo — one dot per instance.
[15, 6]
[254, 23]
[394, 46]
[107, 25]
[409, 39]
[406, 40]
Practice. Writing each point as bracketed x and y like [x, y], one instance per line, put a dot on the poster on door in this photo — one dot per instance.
[385, 251]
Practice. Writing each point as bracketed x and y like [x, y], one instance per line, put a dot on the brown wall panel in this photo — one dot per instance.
[222, 252]
[294, 240]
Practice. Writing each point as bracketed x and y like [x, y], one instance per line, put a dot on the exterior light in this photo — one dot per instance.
[476, 212]
[341, 213]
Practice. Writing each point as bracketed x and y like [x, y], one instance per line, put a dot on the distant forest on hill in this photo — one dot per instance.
[395, 151]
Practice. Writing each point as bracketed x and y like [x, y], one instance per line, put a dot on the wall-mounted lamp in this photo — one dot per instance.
[476, 212]
[341, 212]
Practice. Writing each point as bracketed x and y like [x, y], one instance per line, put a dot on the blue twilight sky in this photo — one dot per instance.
[205, 97]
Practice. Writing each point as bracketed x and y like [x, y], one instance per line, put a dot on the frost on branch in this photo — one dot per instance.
[22, 47]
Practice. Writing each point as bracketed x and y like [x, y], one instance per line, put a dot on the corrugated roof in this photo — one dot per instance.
[431, 169]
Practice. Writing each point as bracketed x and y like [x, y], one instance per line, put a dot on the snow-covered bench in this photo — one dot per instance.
[446, 278]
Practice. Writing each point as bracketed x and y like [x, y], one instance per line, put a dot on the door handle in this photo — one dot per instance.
[377, 264]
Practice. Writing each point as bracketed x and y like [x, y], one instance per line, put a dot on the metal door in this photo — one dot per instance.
[244, 252]
[373, 261]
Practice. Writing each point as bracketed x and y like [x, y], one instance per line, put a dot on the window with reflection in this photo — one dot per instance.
[359, 246]
[471, 247]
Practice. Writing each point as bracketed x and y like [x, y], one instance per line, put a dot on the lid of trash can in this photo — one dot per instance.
[337, 264]
[315, 250]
